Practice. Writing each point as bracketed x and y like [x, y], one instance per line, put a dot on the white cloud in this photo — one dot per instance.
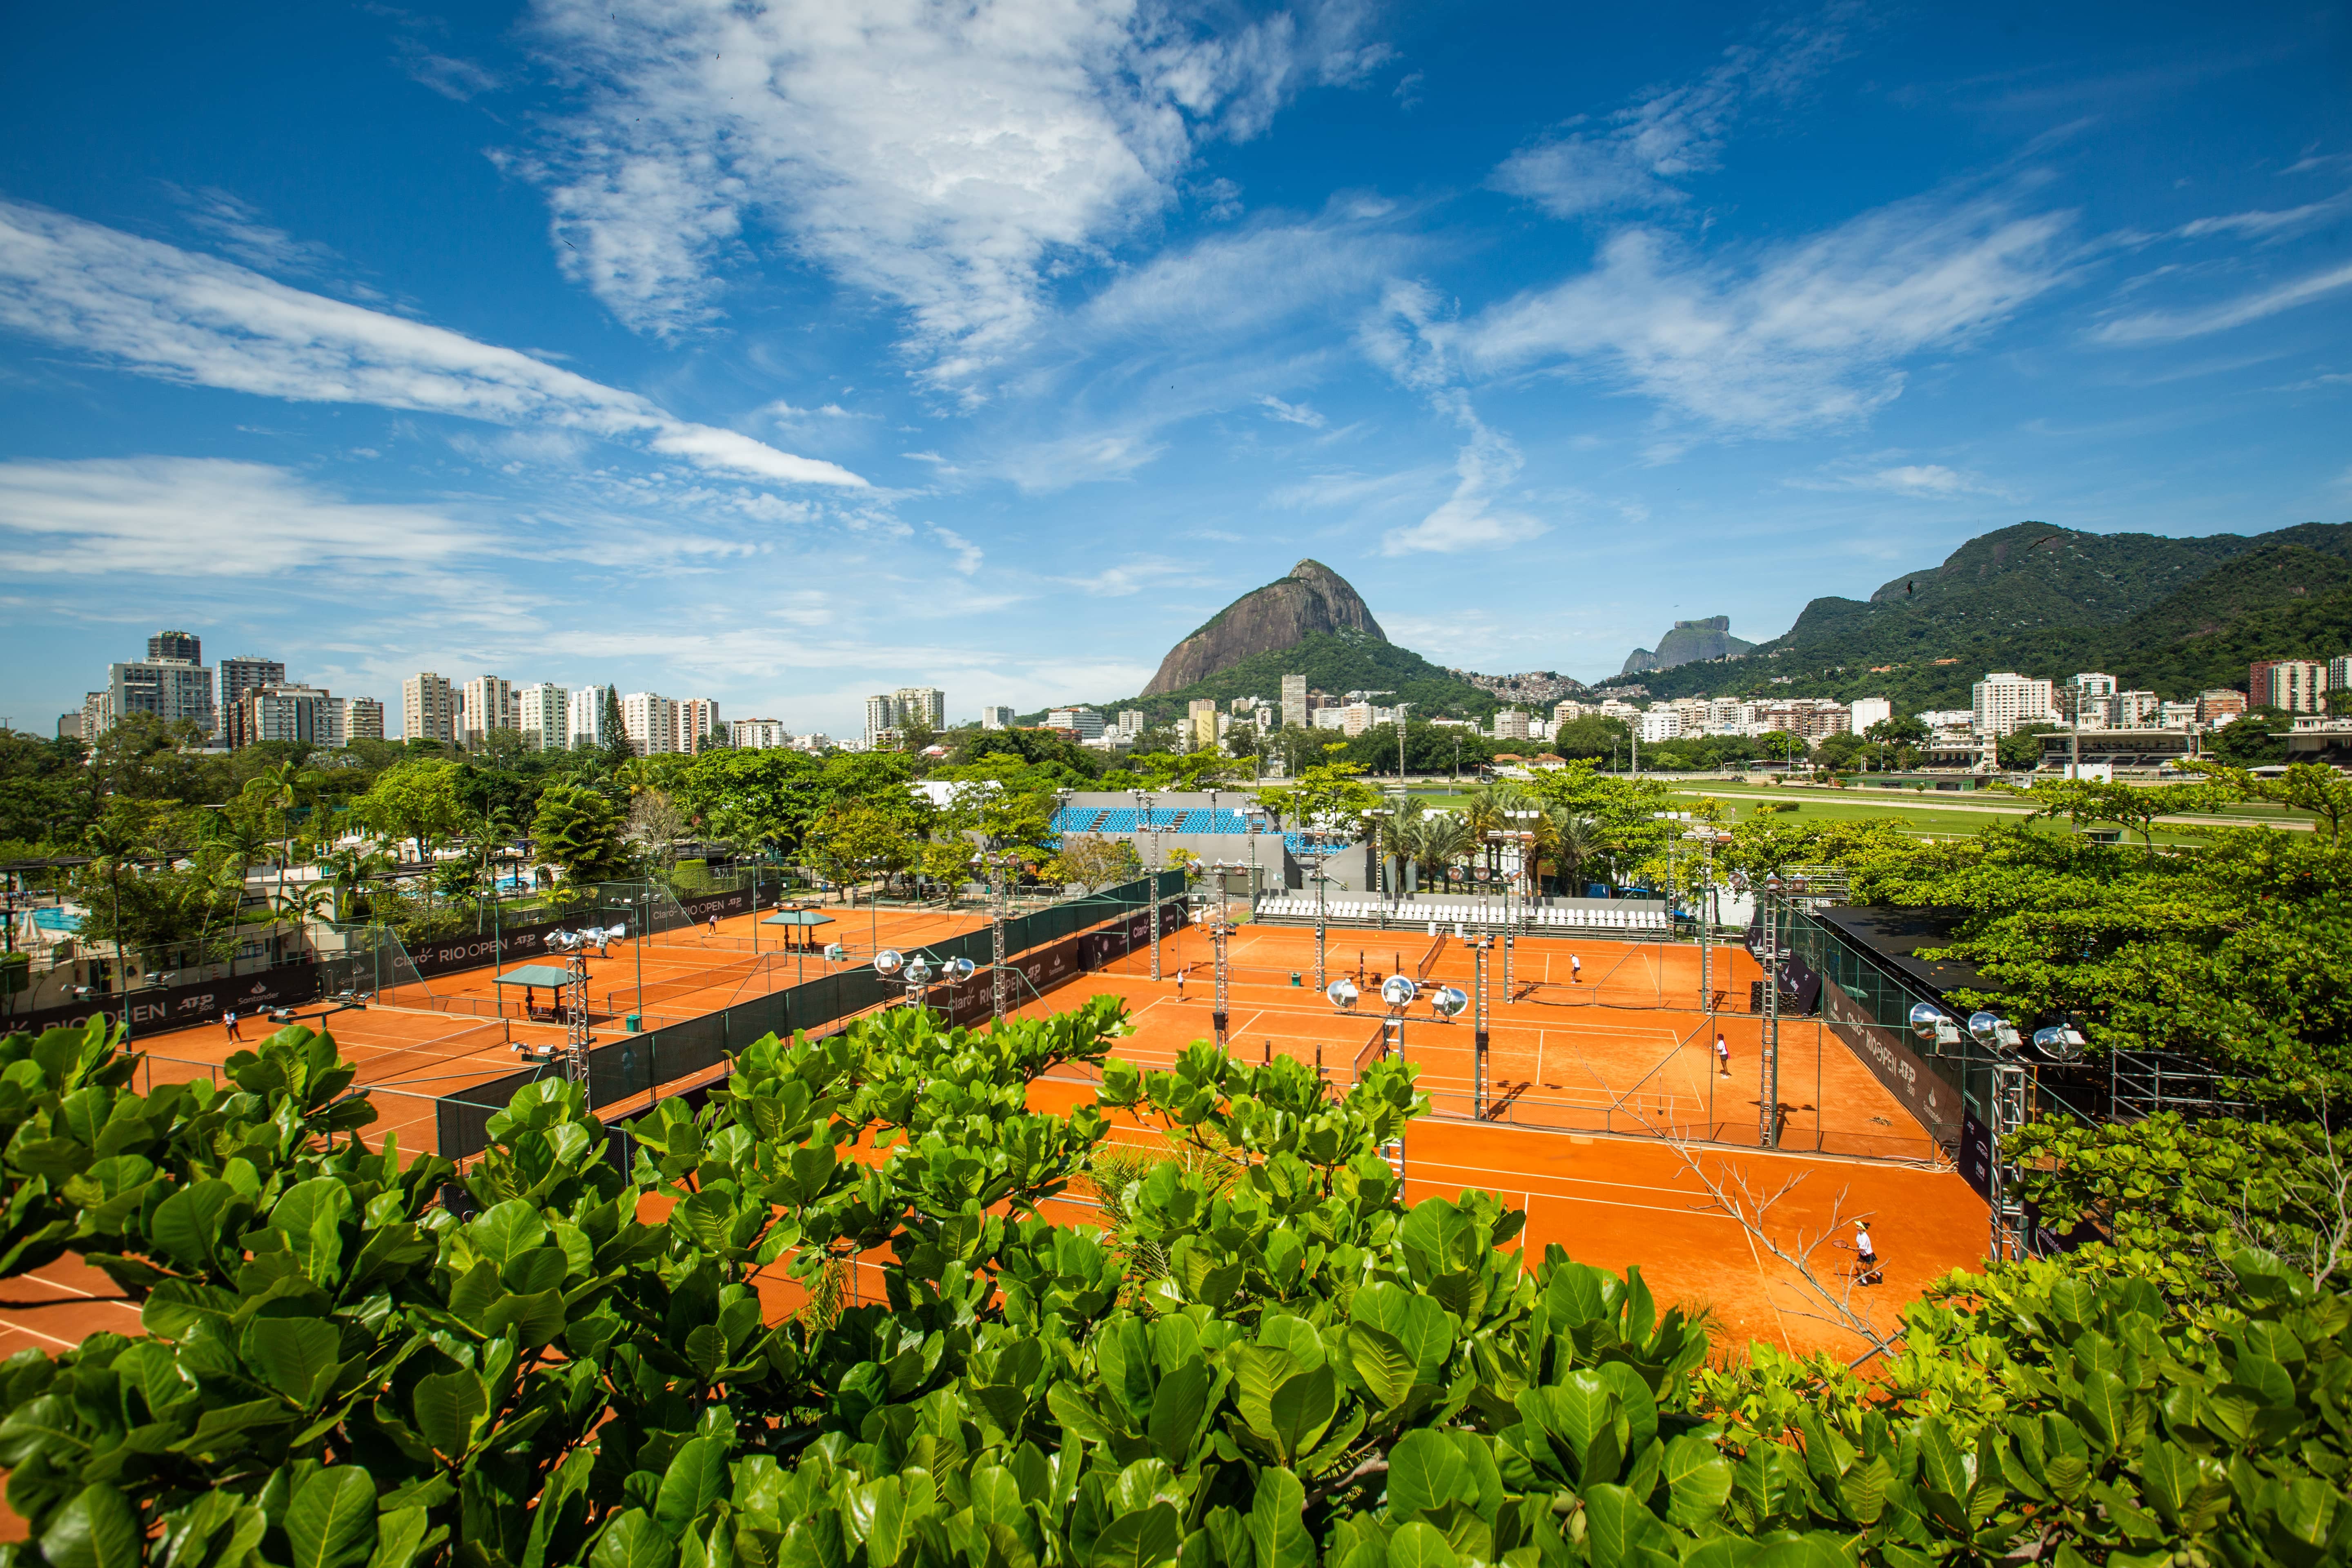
[2169, 326]
[238, 228]
[172, 313]
[965, 555]
[1473, 517]
[1671, 133]
[949, 159]
[1804, 334]
[2270, 225]
[1931, 481]
[1291, 413]
[207, 517]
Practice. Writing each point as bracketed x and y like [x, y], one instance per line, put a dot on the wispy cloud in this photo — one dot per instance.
[1632, 158]
[1926, 481]
[202, 516]
[1291, 413]
[947, 159]
[171, 313]
[1801, 335]
[2270, 225]
[2170, 326]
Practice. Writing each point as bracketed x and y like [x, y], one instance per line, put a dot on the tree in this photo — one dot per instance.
[580, 831]
[1841, 752]
[767, 797]
[2081, 801]
[1899, 729]
[856, 837]
[2253, 739]
[1782, 746]
[616, 748]
[1326, 797]
[2020, 750]
[657, 823]
[284, 791]
[417, 801]
[1093, 862]
[2304, 786]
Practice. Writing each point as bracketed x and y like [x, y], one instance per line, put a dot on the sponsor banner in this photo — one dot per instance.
[1976, 1154]
[1920, 1084]
[444, 954]
[155, 1009]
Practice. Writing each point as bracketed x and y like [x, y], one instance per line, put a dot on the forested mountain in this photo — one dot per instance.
[1334, 662]
[2171, 615]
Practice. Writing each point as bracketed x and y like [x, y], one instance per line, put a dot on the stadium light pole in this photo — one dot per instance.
[1143, 805]
[1478, 1036]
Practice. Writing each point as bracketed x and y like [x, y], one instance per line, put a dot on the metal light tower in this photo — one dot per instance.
[1000, 880]
[1768, 1057]
[1143, 805]
[1218, 933]
[1478, 950]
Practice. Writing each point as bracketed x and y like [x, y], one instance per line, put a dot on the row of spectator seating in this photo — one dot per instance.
[1126, 819]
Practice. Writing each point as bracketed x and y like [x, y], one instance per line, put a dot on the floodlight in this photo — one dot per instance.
[889, 960]
[2060, 1042]
[917, 971]
[956, 970]
[1342, 994]
[1925, 1017]
[1985, 1028]
[1449, 1000]
[1399, 992]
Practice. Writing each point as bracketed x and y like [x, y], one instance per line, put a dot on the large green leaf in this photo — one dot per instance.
[506, 1230]
[187, 1224]
[1139, 1540]
[696, 1477]
[1178, 1405]
[331, 1523]
[1381, 1361]
[446, 1405]
[310, 1216]
[1299, 1410]
[1278, 1523]
[96, 1530]
[1425, 1472]
[1417, 1545]
[297, 1356]
[633, 1541]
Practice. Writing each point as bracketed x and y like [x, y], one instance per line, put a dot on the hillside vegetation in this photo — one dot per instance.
[2171, 615]
[1335, 662]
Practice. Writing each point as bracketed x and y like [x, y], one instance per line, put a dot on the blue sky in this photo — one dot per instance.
[780, 356]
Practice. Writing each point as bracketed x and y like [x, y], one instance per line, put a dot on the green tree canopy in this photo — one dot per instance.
[580, 831]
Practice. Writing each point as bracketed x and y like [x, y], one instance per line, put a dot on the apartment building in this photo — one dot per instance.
[1131, 723]
[920, 705]
[1868, 711]
[649, 723]
[184, 648]
[2297, 685]
[1294, 701]
[695, 720]
[487, 703]
[363, 719]
[168, 689]
[428, 708]
[2134, 710]
[1200, 722]
[583, 720]
[881, 719]
[2003, 700]
[1659, 722]
[543, 714]
[2219, 706]
[995, 716]
[300, 713]
[1088, 723]
[241, 675]
[757, 735]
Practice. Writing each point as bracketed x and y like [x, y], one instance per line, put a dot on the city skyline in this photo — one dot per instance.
[1008, 388]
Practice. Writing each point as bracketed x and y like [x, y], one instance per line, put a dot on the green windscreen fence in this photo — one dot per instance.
[636, 1064]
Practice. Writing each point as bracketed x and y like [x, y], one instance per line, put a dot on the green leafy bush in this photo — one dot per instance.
[1272, 1363]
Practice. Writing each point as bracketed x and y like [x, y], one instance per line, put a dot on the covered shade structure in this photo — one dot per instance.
[531, 976]
[803, 921]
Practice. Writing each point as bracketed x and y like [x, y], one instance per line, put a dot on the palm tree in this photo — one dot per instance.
[1398, 829]
[282, 789]
[1574, 841]
[1439, 840]
[350, 870]
[239, 838]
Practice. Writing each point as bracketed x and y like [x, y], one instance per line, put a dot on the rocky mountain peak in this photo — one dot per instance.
[1312, 598]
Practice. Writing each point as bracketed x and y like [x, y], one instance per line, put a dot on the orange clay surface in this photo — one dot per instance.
[1624, 1047]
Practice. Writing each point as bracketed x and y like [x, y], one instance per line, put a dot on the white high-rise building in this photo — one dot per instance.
[2134, 710]
[1294, 701]
[650, 722]
[583, 720]
[288, 713]
[2339, 672]
[487, 703]
[1510, 724]
[1661, 721]
[1087, 721]
[363, 719]
[1869, 710]
[758, 735]
[2002, 701]
[881, 719]
[694, 719]
[428, 708]
[924, 705]
[1131, 723]
[996, 716]
[543, 714]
